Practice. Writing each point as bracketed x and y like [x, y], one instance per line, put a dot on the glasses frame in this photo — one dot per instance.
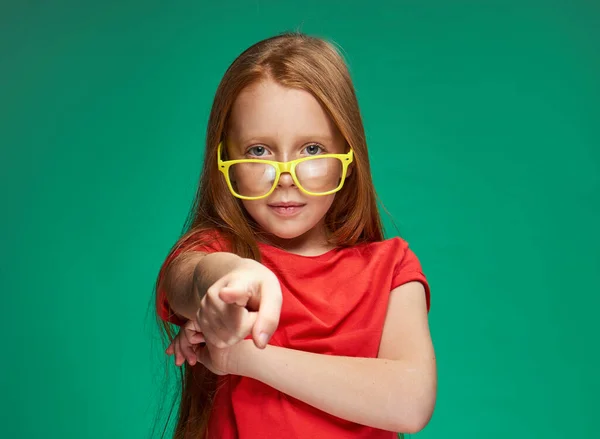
[281, 167]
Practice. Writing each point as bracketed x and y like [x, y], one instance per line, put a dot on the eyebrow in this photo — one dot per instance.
[269, 141]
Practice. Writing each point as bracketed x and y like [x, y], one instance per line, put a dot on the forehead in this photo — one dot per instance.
[269, 111]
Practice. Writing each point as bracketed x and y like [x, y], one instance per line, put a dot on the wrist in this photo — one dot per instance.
[243, 358]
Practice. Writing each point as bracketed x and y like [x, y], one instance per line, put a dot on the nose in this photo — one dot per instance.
[285, 180]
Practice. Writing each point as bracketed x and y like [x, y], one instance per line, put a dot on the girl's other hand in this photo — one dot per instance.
[246, 300]
[186, 343]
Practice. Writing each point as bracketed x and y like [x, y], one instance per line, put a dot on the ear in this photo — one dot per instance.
[224, 150]
[349, 170]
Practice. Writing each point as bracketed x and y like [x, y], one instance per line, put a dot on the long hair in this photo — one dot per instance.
[298, 61]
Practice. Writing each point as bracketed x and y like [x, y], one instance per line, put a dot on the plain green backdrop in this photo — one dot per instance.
[483, 123]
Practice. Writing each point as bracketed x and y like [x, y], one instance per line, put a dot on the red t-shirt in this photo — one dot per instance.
[333, 304]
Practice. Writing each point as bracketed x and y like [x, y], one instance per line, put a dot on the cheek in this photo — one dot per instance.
[253, 207]
[323, 204]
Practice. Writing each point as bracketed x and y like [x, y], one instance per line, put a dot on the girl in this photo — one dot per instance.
[297, 319]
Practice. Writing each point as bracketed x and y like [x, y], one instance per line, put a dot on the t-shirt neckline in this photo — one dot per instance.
[325, 255]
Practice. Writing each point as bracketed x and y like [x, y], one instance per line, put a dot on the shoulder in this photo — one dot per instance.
[387, 252]
[401, 260]
[205, 240]
[392, 248]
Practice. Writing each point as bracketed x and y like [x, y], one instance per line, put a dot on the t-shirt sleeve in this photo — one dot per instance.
[207, 244]
[408, 269]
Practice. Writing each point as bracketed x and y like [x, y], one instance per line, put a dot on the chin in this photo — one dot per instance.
[285, 231]
[289, 228]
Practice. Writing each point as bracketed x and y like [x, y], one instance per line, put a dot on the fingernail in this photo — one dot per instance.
[263, 339]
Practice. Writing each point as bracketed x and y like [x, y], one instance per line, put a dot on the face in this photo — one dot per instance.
[273, 122]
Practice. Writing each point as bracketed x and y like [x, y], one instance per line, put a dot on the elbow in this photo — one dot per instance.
[412, 422]
[415, 424]
[412, 414]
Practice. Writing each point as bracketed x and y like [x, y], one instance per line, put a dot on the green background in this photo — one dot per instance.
[483, 123]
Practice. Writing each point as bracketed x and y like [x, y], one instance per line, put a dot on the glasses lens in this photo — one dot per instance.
[252, 179]
[319, 175]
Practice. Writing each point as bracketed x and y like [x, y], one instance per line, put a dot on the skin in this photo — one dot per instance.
[397, 390]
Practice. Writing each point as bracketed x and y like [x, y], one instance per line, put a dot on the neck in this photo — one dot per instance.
[312, 243]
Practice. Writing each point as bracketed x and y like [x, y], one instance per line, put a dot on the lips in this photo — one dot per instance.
[283, 204]
[286, 209]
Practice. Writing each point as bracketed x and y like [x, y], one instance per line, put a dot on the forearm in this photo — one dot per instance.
[391, 395]
[191, 274]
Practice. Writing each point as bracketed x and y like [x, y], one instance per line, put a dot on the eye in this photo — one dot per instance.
[313, 149]
[257, 151]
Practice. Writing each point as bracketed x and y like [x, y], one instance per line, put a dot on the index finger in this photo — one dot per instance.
[269, 311]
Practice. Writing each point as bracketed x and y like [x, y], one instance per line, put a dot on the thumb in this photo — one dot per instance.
[171, 349]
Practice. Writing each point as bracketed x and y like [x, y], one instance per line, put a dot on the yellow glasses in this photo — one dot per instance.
[253, 179]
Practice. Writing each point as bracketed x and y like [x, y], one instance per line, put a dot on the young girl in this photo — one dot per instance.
[297, 319]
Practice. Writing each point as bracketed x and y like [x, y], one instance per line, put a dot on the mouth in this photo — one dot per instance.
[287, 204]
[286, 208]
